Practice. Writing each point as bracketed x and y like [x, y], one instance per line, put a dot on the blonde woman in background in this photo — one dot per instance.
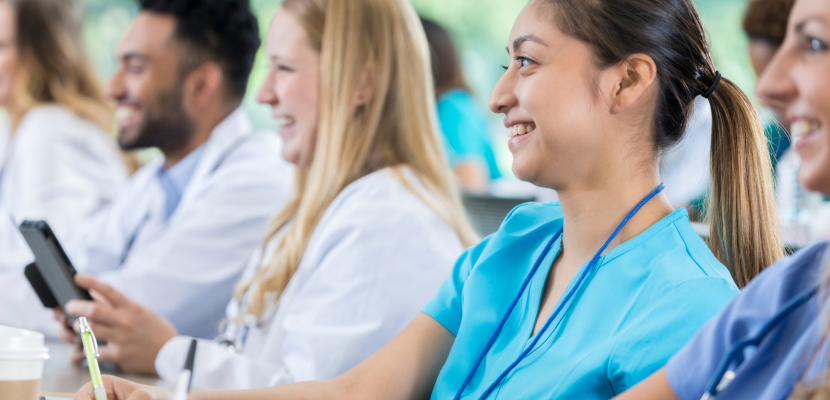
[372, 232]
[57, 161]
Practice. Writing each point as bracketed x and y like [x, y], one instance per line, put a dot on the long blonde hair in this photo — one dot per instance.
[53, 64]
[396, 127]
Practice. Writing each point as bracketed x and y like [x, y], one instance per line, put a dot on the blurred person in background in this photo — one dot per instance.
[461, 119]
[57, 161]
[372, 232]
[177, 237]
[765, 23]
[800, 211]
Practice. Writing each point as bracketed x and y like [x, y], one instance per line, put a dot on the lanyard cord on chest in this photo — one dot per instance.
[558, 309]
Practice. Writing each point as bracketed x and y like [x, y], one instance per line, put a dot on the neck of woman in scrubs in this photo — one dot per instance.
[593, 208]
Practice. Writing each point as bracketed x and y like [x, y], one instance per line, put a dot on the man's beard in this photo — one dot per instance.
[165, 125]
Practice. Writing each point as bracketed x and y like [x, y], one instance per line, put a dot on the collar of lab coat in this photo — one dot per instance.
[5, 138]
[224, 138]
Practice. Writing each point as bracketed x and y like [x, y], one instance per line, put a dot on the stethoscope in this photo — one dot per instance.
[555, 312]
[234, 334]
[724, 374]
[235, 331]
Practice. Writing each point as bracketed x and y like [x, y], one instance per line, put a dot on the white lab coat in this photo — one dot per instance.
[376, 258]
[185, 267]
[684, 168]
[58, 167]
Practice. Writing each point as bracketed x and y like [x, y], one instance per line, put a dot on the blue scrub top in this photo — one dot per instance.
[643, 301]
[778, 140]
[768, 372]
[466, 134]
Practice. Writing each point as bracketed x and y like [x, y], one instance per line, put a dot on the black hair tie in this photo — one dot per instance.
[714, 86]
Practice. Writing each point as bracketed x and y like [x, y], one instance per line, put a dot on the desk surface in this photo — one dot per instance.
[60, 376]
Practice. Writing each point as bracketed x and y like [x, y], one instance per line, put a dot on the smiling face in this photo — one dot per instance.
[9, 57]
[292, 87]
[557, 131]
[798, 82]
[148, 86]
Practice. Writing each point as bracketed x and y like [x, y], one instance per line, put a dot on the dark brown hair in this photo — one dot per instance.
[744, 229]
[224, 31]
[446, 67]
[767, 20]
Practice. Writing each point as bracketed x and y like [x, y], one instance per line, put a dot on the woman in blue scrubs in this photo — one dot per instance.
[585, 297]
[791, 359]
[465, 127]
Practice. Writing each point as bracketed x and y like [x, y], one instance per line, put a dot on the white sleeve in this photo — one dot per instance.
[62, 177]
[187, 274]
[377, 266]
[229, 370]
[366, 277]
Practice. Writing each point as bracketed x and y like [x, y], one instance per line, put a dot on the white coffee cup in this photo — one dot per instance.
[22, 354]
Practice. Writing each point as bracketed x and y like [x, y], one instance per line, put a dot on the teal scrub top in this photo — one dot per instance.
[466, 133]
[643, 301]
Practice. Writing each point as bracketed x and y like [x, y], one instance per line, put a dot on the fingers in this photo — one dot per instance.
[117, 389]
[99, 298]
[65, 331]
[109, 353]
[112, 334]
[116, 298]
[85, 393]
[96, 313]
[76, 354]
[59, 315]
[68, 335]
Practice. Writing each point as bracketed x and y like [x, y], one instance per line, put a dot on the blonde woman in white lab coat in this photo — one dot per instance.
[57, 162]
[375, 226]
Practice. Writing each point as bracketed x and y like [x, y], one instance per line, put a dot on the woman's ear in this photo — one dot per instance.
[632, 79]
[366, 84]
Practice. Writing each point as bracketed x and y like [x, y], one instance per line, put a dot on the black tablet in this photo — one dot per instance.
[52, 264]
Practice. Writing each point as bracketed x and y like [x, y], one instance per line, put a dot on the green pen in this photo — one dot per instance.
[91, 351]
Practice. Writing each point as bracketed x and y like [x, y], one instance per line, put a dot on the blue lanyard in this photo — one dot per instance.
[555, 312]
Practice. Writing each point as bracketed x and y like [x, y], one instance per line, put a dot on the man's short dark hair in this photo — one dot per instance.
[224, 31]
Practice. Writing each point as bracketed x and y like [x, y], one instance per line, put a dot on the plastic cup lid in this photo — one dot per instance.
[19, 343]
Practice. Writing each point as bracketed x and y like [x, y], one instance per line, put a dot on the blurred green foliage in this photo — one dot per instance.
[480, 28]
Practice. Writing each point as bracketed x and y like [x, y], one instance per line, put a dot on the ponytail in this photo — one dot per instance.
[744, 232]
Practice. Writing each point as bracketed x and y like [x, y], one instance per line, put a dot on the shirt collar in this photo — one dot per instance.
[181, 173]
[174, 180]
